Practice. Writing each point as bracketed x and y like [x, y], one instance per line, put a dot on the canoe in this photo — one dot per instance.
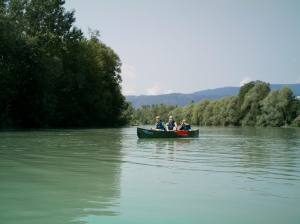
[149, 133]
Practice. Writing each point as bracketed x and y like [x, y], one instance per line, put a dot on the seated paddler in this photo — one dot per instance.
[185, 126]
[171, 125]
[160, 125]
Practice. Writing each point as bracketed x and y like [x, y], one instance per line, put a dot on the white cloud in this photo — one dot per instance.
[155, 89]
[169, 91]
[244, 81]
[128, 72]
[129, 89]
[158, 88]
[298, 80]
[129, 76]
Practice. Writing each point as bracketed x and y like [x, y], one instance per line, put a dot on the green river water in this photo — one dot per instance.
[227, 175]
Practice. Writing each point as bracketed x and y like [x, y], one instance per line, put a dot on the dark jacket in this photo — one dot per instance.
[185, 127]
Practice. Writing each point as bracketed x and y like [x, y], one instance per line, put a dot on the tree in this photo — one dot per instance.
[51, 75]
[240, 114]
[187, 112]
[198, 112]
[219, 112]
[260, 108]
[230, 111]
[285, 103]
[177, 113]
[209, 113]
[278, 108]
[252, 103]
[127, 117]
[271, 114]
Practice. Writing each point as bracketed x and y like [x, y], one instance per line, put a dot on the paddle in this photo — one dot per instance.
[181, 132]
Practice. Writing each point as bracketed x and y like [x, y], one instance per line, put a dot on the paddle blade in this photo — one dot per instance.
[183, 133]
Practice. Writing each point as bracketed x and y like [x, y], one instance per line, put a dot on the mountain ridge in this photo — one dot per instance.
[181, 99]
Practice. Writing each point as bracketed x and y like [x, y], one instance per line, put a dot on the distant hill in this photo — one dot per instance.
[295, 87]
[173, 98]
[183, 99]
[225, 91]
[229, 91]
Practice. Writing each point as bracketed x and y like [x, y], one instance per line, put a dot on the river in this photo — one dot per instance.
[227, 175]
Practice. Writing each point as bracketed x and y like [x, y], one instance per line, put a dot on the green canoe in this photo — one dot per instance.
[148, 133]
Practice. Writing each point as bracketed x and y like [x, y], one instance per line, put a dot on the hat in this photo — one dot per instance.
[171, 117]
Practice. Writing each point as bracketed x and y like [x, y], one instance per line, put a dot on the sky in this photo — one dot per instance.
[184, 46]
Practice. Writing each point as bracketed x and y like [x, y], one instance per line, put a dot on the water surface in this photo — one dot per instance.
[227, 175]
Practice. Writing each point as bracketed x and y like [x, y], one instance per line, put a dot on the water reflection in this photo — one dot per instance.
[266, 155]
[61, 176]
[167, 144]
[110, 176]
[166, 147]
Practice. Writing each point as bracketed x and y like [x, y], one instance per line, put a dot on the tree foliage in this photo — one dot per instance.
[255, 105]
[147, 114]
[198, 112]
[251, 107]
[51, 75]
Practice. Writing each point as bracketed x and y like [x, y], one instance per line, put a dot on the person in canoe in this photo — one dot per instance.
[185, 126]
[171, 125]
[160, 125]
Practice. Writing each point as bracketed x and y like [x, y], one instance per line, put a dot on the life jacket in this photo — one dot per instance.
[186, 127]
[159, 125]
[171, 125]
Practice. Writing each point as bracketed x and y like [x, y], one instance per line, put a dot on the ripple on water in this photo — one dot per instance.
[227, 175]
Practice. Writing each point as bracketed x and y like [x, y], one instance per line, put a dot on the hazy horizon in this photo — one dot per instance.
[211, 89]
[188, 46]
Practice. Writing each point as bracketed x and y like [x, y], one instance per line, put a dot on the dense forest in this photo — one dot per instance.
[254, 105]
[53, 76]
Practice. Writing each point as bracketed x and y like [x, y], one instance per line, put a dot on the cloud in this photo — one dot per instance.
[244, 81]
[129, 76]
[128, 72]
[169, 91]
[129, 89]
[158, 88]
[155, 89]
[298, 80]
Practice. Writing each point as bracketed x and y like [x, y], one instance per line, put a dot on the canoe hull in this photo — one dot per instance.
[148, 133]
